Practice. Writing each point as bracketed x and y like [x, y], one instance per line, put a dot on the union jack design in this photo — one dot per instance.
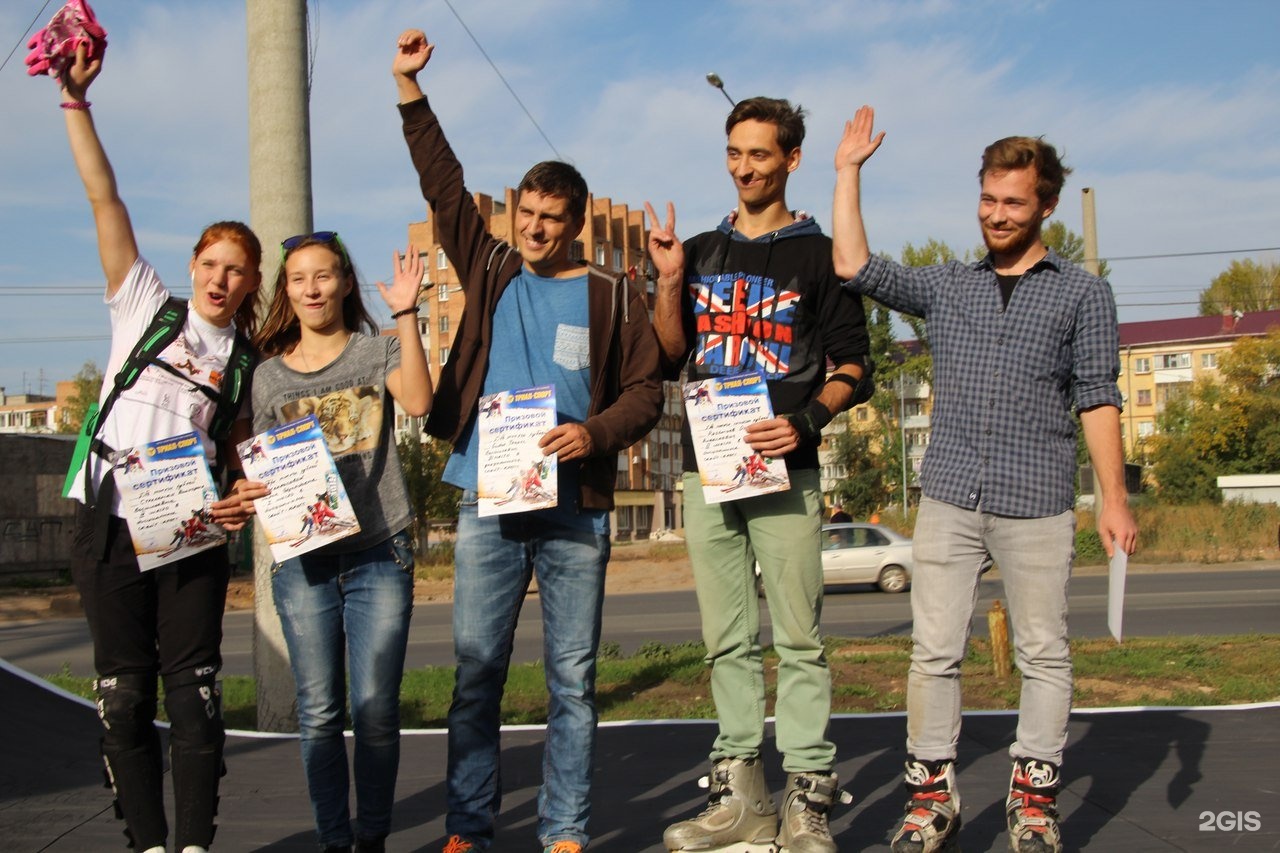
[743, 322]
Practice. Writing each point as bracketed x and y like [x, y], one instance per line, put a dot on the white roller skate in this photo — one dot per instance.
[931, 822]
[1031, 809]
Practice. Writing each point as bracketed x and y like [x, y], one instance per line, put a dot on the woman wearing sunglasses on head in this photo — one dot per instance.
[166, 622]
[352, 597]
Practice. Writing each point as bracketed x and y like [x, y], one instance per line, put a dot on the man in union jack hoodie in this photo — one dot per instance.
[759, 294]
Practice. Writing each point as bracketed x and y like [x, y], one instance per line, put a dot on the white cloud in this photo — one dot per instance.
[1181, 161]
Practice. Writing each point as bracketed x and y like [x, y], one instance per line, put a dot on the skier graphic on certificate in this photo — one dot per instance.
[168, 491]
[719, 411]
[308, 506]
[514, 476]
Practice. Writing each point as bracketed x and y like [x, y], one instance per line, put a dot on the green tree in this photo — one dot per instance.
[868, 455]
[866, 486]
[1224, 427]
[430, 497]
[88, 382]
[1070, 245]
[871, 456]
[932, 253]
[1243, 286]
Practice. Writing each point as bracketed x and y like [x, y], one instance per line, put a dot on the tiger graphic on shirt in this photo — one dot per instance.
[351, 418]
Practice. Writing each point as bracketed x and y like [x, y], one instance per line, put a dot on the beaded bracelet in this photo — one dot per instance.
[75, 105]
[404, 311]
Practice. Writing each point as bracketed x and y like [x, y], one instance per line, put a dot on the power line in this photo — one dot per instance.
[1153, 304]
[24, 35]
[59, 340]
[1187, 254]
[480, 47]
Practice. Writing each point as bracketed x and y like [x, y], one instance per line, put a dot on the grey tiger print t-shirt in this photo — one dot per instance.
[349, 398]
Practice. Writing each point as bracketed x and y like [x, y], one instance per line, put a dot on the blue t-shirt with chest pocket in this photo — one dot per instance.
[540, 337]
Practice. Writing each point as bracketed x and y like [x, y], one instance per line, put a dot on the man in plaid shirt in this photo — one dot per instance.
[1021, 341]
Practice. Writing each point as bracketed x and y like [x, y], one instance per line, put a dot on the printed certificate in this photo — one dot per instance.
[308, 506]
[514, 476]
[719, 411]
[168, 491]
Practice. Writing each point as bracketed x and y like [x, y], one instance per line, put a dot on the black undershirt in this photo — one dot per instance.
[1007, 284]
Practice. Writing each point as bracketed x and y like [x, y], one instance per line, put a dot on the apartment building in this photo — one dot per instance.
[908, 427]
[1161, 359]
[32, 413]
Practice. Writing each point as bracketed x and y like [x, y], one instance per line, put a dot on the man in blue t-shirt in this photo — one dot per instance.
[533, 317]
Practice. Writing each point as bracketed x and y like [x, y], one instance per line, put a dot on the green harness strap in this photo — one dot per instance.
[163, 330]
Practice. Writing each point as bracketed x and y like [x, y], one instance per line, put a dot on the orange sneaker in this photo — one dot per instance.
[564, 847]
[457, 844]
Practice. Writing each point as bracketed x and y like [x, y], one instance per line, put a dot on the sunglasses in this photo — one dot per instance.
[323, 238]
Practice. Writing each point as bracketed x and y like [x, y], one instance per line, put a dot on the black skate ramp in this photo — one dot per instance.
[1135, 780]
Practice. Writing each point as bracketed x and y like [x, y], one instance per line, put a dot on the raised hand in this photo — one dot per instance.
[857, 145]
[665, 247]
[79, 74]
[406, 284]
[413, 51]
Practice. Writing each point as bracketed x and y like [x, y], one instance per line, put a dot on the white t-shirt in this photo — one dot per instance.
[159, 404]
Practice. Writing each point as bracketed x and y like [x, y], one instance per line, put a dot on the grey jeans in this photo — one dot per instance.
[1034, 556]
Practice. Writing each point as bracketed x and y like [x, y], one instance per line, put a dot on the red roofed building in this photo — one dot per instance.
[1160, 359]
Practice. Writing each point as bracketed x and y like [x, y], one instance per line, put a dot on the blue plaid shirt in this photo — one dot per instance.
[1005, 380]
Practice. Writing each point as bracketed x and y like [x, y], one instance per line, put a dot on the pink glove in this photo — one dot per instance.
[54, 47]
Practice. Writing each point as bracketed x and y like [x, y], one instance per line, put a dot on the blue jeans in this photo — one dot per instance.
[494, 560]
[357, 606]
[951, 547]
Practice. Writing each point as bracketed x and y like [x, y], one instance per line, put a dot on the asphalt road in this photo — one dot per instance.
[1213, 601]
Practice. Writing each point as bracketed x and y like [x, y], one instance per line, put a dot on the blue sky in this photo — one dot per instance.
[1167, 109]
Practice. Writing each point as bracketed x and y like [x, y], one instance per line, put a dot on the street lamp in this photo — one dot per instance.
[714, 79]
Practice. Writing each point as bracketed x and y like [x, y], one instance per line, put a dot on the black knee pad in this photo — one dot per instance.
[127, 708]
[193, 701]
[196, 737]
[131, 754]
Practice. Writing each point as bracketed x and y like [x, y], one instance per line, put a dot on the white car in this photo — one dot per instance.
[858, 552]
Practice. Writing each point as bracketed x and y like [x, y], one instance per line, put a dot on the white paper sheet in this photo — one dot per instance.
[1115, 592]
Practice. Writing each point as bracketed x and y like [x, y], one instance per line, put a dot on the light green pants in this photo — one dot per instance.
[782, 532]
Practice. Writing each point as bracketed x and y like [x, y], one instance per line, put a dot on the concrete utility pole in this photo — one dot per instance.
[279, 207]
[1090, 225]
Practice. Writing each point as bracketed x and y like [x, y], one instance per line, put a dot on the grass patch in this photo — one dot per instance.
[17, 585]
[648, 550]
[1198, 533]
[437, 563]
[673, 682]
